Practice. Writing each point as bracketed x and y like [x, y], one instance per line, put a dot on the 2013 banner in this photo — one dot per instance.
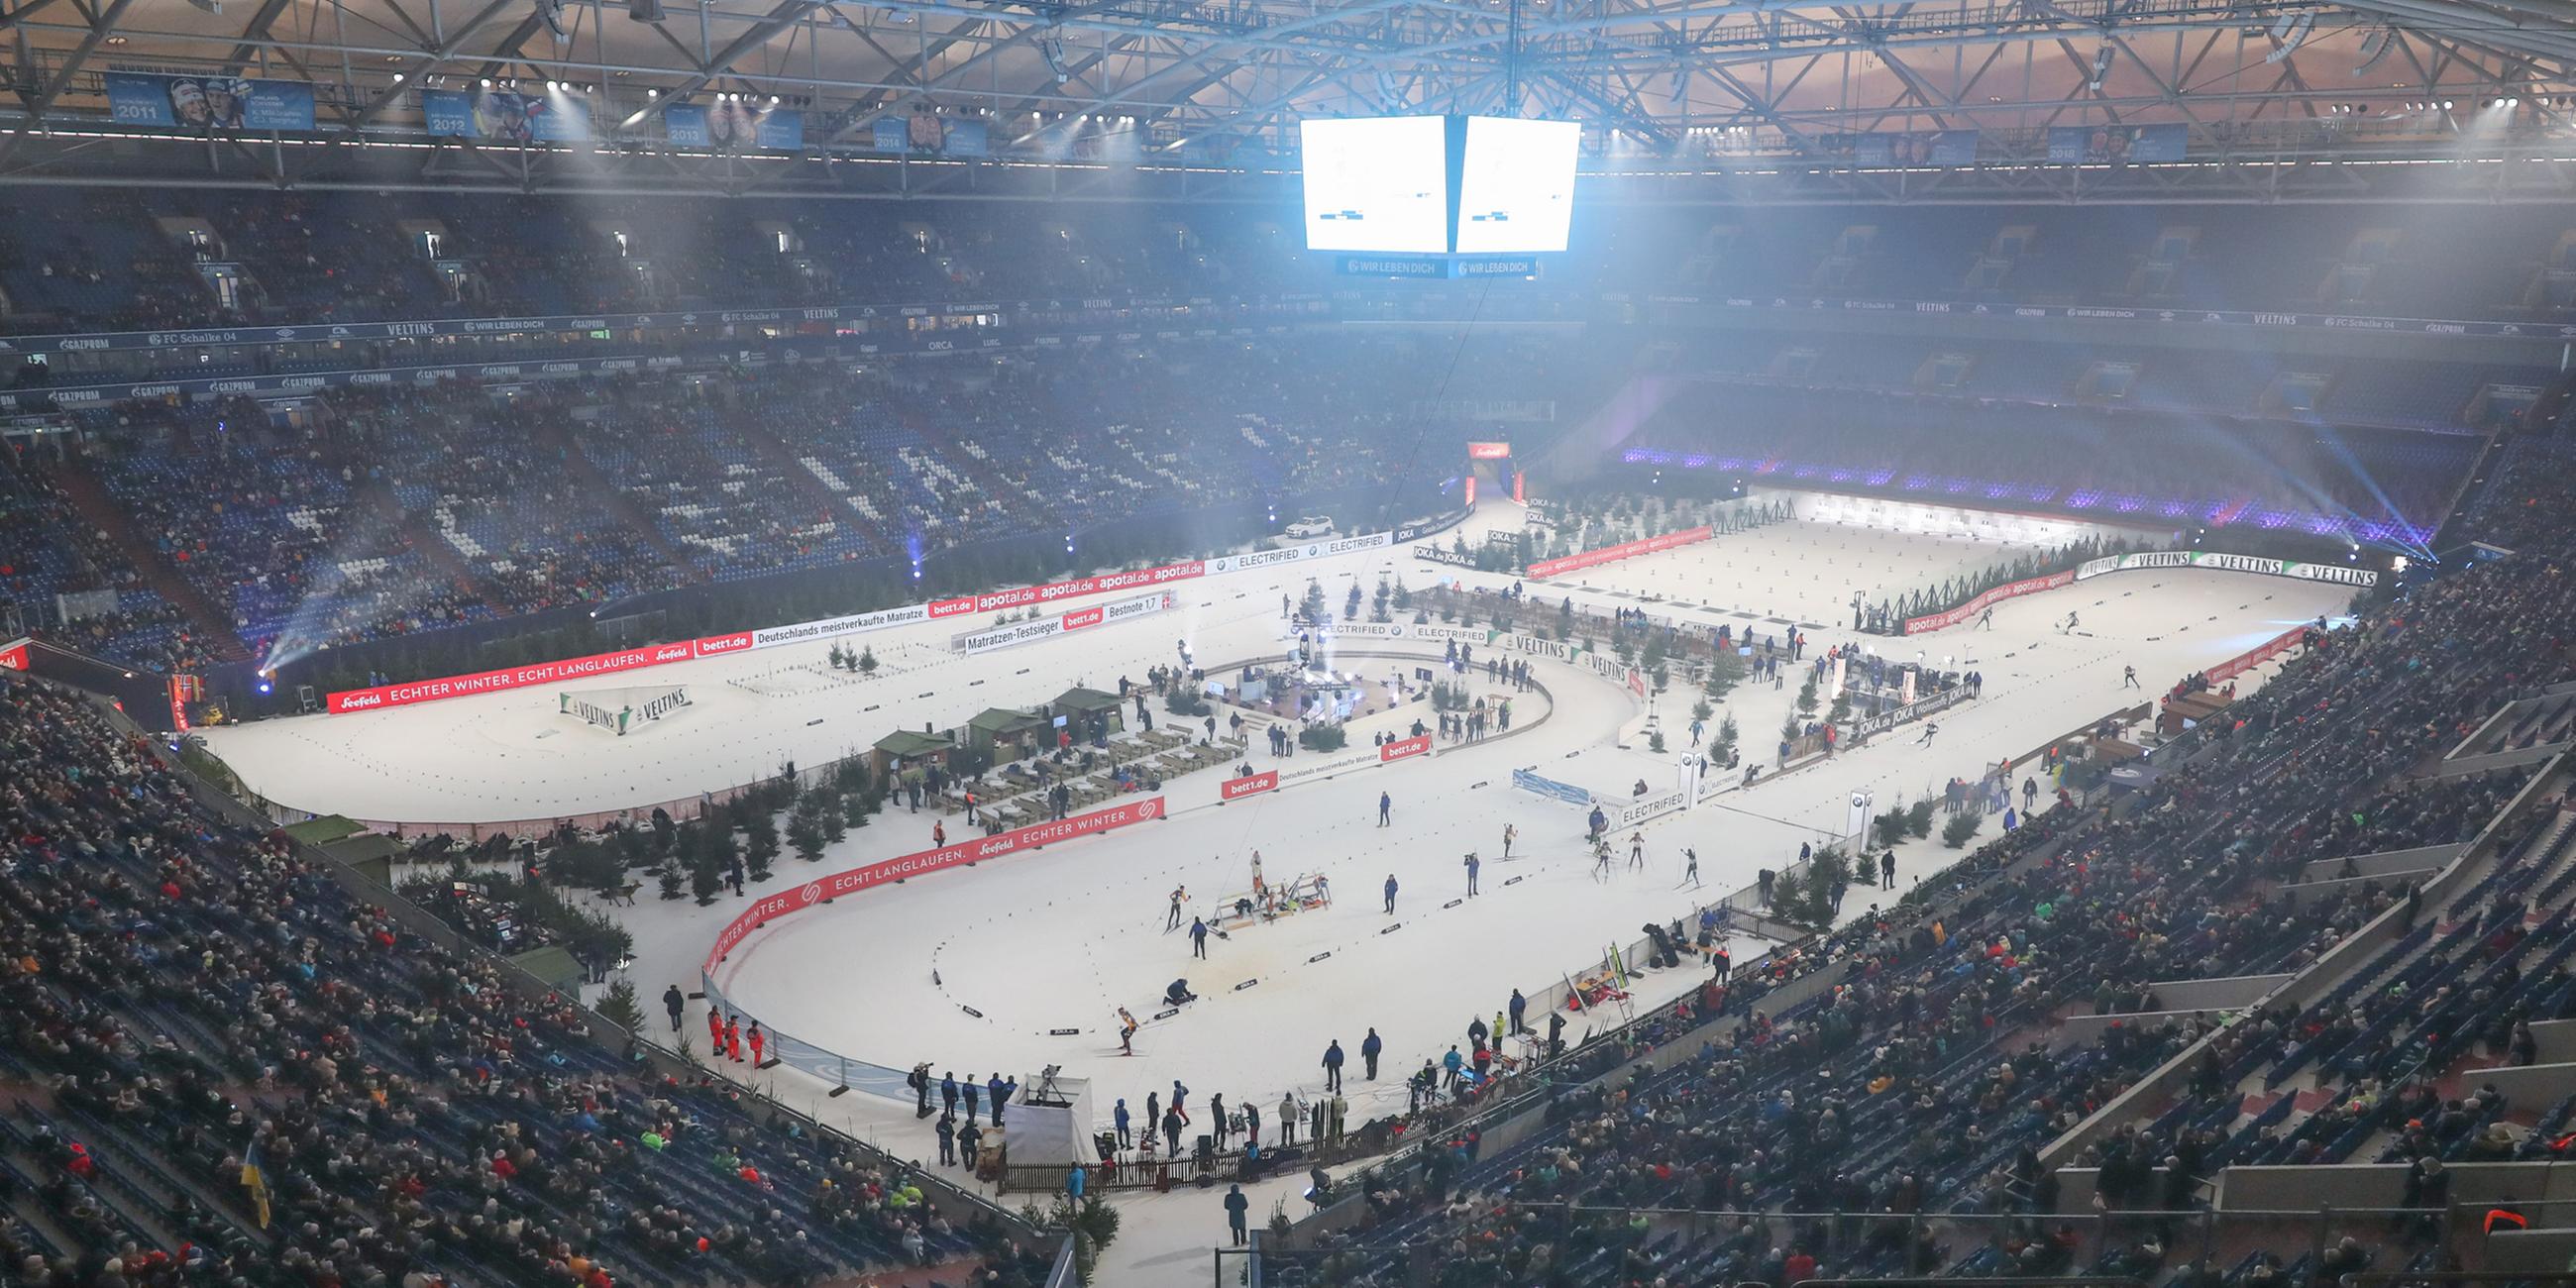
[209, 104]
[506, 116]
[734, 125]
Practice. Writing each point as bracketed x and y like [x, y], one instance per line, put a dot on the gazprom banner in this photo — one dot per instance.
[505, 116]
[733, 126]
[209, 104]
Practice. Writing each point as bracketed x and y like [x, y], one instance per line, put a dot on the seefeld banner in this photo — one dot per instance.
[2337, 574]
[458, 686]
[1030, 632]
[922, 862]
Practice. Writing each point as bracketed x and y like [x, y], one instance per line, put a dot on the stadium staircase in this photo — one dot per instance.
[613, 498]
[97, 508]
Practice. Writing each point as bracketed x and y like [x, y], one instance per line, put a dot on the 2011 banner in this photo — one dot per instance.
[209, 104]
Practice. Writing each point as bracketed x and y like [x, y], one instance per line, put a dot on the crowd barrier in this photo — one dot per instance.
[832, 1066]
[1624, 550]
[598, 664]
[2140, 560]
[2256, 656]
[2009, 590]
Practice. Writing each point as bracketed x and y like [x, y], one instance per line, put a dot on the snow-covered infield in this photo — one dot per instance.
[1018, 961]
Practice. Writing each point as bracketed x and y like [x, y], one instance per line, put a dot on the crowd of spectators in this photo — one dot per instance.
[70, 581]
[1922, 1082]
[186, 998]
[129, 260]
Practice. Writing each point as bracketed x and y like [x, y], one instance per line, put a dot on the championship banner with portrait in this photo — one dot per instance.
[2116, 144]
[209, 104]
[505, 116]
[734, 125]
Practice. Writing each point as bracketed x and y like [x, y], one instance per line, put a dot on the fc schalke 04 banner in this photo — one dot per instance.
[209, 104]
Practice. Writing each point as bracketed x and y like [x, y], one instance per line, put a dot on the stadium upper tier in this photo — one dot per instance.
[73, 260]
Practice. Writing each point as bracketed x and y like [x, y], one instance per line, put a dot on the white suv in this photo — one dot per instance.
[1312, 525]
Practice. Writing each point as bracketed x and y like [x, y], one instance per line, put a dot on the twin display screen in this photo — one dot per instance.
[1437, 185]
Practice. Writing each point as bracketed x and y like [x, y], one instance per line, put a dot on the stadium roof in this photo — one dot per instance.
[1147, 84]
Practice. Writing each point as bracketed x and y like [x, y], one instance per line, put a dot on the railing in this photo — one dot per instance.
[1882, 1248]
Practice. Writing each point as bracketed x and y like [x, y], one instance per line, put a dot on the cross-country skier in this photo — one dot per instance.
[1636, 849]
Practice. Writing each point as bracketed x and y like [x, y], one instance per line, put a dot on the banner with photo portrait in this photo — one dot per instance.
[732, 126]
[209, 104]
[505, 116]
[1915, 148]
[2116, 144]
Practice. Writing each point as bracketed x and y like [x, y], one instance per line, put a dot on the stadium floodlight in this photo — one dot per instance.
[644, 10]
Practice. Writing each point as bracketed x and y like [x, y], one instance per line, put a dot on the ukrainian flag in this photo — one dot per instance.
[255, 1181]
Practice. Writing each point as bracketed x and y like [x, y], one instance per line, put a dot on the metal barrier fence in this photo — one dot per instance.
[1886, 1248]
